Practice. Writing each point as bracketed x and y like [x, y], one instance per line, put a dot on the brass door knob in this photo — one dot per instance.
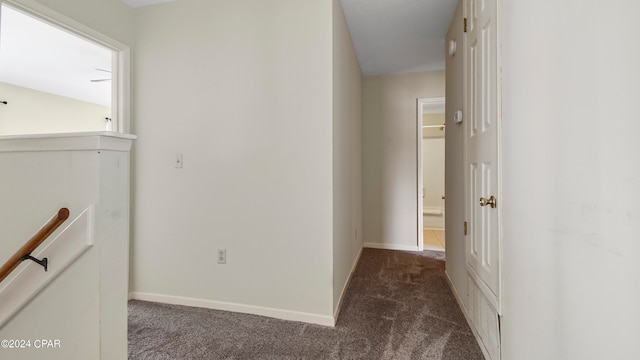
[490, 201]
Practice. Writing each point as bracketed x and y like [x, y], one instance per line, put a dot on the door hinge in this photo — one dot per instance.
[465, 24]
[465, 228]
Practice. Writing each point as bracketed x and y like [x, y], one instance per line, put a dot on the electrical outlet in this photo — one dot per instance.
[222, 256]
[178, 161]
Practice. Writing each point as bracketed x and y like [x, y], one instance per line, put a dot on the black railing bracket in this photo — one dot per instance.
[44, 262]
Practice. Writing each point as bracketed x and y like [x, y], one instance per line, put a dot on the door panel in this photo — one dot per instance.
[482, 148]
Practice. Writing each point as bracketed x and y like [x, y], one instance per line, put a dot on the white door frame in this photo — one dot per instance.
[420, 181]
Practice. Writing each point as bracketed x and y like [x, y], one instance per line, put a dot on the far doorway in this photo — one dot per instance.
[431, 199]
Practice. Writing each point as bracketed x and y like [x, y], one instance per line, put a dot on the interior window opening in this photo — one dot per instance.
[52, 80]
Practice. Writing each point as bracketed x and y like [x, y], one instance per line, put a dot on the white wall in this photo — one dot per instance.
[571, 180]
[433, 168]
[347, 168]
[35, 112]
[389, 153]
[454, 163]
[433, 179]
[244, 90]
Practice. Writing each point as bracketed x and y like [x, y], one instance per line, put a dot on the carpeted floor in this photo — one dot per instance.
[398, 306]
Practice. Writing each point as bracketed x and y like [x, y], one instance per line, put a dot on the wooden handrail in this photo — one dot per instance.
[32, 244]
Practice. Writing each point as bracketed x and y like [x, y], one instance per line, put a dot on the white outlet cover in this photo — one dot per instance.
[222, 256]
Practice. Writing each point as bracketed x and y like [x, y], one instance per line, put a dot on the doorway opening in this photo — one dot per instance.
[430, 126]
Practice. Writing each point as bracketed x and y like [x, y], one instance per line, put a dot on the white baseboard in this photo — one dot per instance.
[466, 316]
[234, 307]
[391, 246]
[336, 311]
[456, 295]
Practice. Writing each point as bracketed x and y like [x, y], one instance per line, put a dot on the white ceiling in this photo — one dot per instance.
[39, 56]
[141, 3]
[399, 36]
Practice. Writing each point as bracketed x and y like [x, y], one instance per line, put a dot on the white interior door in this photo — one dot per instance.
[482, 245]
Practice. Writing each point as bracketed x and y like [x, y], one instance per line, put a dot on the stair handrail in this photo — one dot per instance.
[26, 250]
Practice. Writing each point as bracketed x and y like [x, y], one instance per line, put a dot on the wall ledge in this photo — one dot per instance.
[99, 140]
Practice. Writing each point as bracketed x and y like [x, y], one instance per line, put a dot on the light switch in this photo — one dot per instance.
[179, 161]
[457, 117]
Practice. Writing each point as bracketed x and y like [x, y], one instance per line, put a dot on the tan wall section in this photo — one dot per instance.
[34, 112]
[432, 119]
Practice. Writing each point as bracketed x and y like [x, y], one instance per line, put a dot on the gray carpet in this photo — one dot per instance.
[398, 306]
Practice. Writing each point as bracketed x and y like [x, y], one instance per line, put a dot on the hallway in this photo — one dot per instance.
[398, 306]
